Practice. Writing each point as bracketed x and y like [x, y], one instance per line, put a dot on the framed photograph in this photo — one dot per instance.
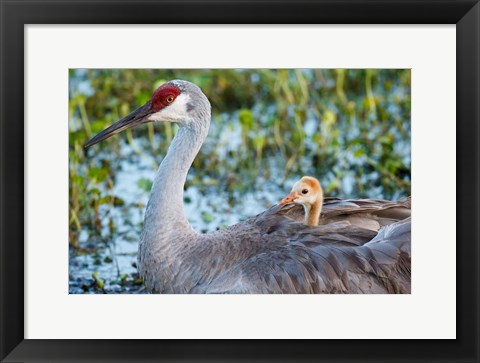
[255, 143]
[332, 137]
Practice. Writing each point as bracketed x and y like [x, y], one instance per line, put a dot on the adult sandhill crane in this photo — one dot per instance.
[361, 247]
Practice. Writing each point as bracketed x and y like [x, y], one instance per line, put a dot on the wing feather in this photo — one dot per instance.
[275, 252]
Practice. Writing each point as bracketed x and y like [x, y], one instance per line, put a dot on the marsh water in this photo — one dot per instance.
[349, 128]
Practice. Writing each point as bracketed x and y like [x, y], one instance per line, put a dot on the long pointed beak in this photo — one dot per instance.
[137, 117]
[288, 199]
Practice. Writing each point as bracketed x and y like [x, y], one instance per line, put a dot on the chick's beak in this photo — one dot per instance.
[289, 199]
[137, 117]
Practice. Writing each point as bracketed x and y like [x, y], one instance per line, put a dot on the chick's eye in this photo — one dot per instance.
[304, 191]
[169, 99]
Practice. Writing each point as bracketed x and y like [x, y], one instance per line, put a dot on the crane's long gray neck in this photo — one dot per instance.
[165, 217]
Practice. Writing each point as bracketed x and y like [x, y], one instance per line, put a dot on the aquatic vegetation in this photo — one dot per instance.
[349, 128]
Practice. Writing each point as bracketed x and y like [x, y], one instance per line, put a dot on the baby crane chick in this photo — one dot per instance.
[307, 192]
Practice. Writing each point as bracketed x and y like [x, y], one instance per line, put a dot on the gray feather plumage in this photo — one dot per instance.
[274, 253]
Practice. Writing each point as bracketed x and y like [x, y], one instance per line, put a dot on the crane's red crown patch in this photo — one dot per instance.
[162, 96]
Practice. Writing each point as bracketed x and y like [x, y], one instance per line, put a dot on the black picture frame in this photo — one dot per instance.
[15, 14]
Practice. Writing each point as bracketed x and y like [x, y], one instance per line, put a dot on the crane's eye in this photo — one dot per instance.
[169, 99]
[304, 191]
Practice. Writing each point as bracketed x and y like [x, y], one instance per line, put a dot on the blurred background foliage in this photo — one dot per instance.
[350, 128]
